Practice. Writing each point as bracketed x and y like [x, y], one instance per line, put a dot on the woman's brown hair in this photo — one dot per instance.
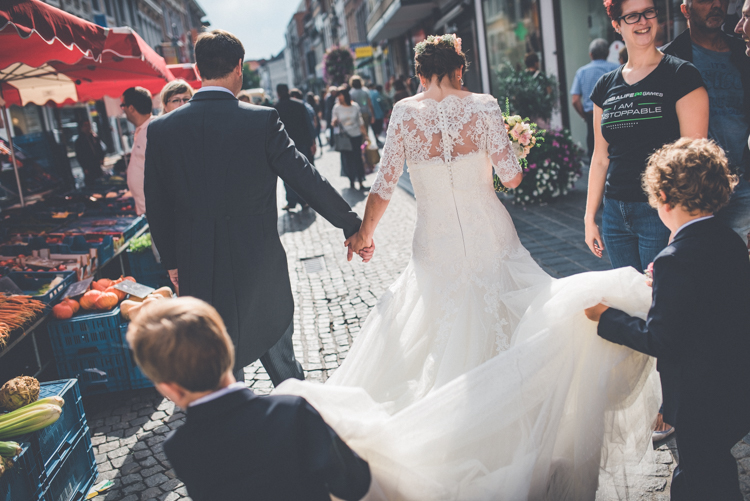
[438, 59]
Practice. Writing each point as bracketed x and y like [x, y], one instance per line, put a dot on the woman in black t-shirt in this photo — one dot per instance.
[652, 100]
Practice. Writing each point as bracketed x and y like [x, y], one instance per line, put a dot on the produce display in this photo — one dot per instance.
[20, 396]
[140, 244]
[102, 296]
[16, 313]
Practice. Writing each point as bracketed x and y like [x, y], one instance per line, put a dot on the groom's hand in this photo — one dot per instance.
[595, 312]
[357, 243]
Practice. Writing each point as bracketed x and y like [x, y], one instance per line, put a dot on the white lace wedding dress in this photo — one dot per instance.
[477, 376]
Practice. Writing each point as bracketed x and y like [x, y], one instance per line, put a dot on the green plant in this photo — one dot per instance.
[530, 94]
[338, 64]
[552, 170]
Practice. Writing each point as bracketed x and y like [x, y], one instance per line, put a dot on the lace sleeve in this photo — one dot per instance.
[499, 148]
[392, 163]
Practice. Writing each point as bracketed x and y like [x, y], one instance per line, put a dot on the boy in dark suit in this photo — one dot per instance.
[234, 444]
[698, 326]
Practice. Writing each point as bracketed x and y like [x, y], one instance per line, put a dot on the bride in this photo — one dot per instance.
[477, 376]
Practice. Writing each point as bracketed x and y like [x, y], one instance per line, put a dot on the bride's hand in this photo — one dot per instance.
[357, 243]
[595, 312]
[594, 238]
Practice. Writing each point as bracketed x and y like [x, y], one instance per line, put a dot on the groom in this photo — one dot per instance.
[212, 168]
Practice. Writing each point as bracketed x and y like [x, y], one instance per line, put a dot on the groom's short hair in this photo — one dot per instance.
[217, 54]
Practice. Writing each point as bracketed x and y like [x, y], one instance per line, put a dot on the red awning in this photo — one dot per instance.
[186, 72]
[61, 58]
[32, 32]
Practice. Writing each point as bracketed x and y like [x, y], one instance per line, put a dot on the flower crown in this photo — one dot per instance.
[447, 40]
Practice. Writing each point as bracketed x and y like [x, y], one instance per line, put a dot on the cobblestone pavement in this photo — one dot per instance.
[333, 297]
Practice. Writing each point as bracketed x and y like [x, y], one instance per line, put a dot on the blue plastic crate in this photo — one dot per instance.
[44, 450]
[32, 281]
[103, 373]
[22, 481]
[137, 378]
[75, 474]
[145, 269]
[88, 334]
[138, 223]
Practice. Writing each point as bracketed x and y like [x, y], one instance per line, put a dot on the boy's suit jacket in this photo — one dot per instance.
[242, 446]
[699, 330]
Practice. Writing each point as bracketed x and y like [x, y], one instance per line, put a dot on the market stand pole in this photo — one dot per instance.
[8, 125]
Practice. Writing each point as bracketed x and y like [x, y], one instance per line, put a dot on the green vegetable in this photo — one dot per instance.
[141, 244]
[9, 449]
[28, 419]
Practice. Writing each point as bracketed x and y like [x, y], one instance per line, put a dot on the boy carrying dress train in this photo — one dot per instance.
[698, 326]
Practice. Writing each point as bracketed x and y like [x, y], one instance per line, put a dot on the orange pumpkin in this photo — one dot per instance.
[96, 286]
[62, 311]
[107, 301]
[88, 301]
[73, 304]
[106, 282]
[120, 294]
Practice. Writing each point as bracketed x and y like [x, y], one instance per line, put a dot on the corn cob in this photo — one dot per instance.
[58, 401]
[27, 419]
[9, 449]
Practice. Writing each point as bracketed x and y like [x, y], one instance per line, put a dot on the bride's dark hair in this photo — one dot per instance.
[436, 56]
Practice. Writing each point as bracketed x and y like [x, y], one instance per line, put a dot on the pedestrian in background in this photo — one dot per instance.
[296, 95]
[175, 94]
[378, 107]
[361, 96]
[137, 105]
[313, 101]
[328, 104]
[400, 91]
[347, 118]
[293, 114]
[726, 73]
[532, 63]
[89, 153]
[583, 83]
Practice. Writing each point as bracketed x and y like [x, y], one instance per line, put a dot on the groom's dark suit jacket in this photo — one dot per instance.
[212, 168]
[698, 328]
[243, 447]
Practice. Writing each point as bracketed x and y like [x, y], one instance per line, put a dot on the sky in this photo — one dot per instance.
[259, 24]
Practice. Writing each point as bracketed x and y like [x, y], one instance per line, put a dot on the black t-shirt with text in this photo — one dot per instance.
[638, 119]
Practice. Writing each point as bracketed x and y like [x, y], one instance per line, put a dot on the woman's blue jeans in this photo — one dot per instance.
[633, 234]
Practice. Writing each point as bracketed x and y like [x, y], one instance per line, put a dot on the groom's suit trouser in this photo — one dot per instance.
[279, 361]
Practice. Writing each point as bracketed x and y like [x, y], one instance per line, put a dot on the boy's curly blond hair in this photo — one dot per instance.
[693, 173]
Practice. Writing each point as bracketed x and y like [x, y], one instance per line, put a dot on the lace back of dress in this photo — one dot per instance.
[428, 131]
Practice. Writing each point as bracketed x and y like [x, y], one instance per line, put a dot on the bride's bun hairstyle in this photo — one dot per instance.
[439, 56]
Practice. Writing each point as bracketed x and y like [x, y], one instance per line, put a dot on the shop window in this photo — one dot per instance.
[512, 29]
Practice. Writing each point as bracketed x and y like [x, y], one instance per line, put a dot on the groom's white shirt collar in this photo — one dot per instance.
[214, 87]
[691, 222]
[239, 385]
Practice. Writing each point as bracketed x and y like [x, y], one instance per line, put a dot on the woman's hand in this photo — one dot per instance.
[594, 238]
[358, 243]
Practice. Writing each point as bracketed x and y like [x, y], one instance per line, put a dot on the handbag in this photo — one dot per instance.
[342, 141]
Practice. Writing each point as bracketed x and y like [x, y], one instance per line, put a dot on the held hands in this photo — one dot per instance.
[360, 244]
[595, 312]
[594, 239]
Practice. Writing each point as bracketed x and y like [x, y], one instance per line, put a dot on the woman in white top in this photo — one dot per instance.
[347, 117]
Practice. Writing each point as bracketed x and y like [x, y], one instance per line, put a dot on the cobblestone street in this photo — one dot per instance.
[333, 297]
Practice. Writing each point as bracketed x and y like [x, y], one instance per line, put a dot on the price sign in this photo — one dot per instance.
[134, 289]
[78, 288]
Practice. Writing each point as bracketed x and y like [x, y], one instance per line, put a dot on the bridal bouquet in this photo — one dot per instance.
[523, 135]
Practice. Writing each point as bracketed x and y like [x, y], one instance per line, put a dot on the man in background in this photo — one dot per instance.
[296, 95]
[296, 120]
[584, 82]
[725, 70]
[137, 105]
[361, 96]
[89, 153]
[330, 102]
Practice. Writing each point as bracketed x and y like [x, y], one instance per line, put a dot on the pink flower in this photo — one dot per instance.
[458, 45]
[517, 131]
[555, 144]
[525, 138]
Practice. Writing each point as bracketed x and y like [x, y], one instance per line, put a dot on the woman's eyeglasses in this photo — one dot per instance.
[635, 17]
[179, 100]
